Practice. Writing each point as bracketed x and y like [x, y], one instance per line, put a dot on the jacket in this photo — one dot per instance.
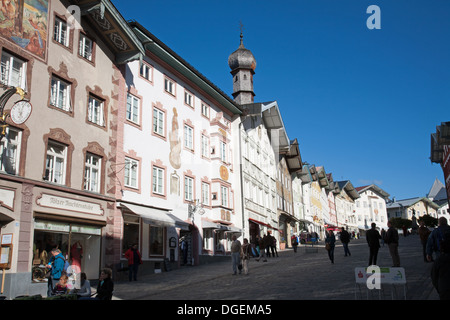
[440, 276]
[105, 289]
[373, 238]
[129, 254]
[434, 239]
[345, 237]
[391, 236]
[57, 263]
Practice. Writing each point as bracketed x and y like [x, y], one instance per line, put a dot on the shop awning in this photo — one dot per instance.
[219, 226]
[263, 224]
[156, 216]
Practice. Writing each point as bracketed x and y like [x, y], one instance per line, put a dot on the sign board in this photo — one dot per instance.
[386, 276]
[57, 202]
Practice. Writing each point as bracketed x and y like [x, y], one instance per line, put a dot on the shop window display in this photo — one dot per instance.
[80, 244]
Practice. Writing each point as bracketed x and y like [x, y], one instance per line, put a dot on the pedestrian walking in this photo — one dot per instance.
[134, 260]
[184, 250]
[440, 271]
[235, 254]
[262, 249]
[56, 266]
[434, 239]
[245, 255]
[345, 239]
[424, 232]
[373, 240]
[383, 236]
[330, 242]
[267, 243]
[392, 242]
[273, 245]
[294, 242]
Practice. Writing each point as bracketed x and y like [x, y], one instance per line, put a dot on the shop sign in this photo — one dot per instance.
[56, 202]
[87, 230]
[51, 226]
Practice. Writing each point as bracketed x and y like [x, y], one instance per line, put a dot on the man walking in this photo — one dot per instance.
[235, 254]
[373, 240]
[434, 239]
[345, 239]
[392, 242]
[56, 266]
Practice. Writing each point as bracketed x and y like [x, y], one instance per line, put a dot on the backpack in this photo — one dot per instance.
[443, 236]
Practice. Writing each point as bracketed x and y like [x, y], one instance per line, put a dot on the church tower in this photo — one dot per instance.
[242, 64]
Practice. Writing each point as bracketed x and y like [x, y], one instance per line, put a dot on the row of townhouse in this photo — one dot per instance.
[113, 139]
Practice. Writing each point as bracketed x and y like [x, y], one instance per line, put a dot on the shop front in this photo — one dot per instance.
[157, 232]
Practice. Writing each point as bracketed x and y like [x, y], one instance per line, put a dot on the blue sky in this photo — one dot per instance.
[362, 103]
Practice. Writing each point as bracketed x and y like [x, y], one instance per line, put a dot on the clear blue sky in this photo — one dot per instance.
[362, 103]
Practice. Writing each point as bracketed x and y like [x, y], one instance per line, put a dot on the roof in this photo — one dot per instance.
[167, 55]
[112, 28]
[347, 186]
[374, 187]
[409, 202]
[437, 191]
[273, 121]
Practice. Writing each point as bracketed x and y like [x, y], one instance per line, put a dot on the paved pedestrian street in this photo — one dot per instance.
[291, 276]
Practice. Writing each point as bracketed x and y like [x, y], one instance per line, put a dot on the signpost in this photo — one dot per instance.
[374, 277]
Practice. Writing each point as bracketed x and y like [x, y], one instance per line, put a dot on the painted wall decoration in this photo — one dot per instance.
[175, 142]
[25, 22]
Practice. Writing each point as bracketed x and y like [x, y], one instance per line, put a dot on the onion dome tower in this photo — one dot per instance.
[242, 64]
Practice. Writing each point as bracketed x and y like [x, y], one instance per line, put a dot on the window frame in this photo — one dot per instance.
[90, 167]
[131, 165]
[7, 68]
[54, 157]
[101, 122]
[132, 108]
[17, 144]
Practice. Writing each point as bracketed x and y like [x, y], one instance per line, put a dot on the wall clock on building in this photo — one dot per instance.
[20, 111]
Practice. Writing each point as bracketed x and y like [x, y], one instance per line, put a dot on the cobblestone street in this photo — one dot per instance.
[291, 276]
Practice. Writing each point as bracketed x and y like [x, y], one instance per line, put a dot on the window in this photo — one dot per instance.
[205, 146]
[188, 188]
[205, 110]
[95, 111]
[60, 94]
[156, 241]
[13, 71]
[205, 193]
[223, 151]
[10, 151]
[92, 173]
[158, 121]
[86, 47]
[61, 32]
[188, 137]
[158, 180]
[169, 86]
[132, 108]
[207, 239]
[145, 71]
[224, 196]
[131, 166]
[188, 99]
[55, 162]
[131, 231]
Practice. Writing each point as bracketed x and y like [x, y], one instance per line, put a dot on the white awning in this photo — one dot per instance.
[219, 226]
[156, 217]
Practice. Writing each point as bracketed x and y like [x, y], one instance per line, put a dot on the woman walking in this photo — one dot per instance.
[330, 241]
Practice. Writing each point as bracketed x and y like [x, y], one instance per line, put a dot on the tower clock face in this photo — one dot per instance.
[20, 111]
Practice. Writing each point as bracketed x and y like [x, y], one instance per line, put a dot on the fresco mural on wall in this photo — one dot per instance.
[25, 22]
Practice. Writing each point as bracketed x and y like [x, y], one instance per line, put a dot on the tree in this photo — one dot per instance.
[398, 223]
[428, 220]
